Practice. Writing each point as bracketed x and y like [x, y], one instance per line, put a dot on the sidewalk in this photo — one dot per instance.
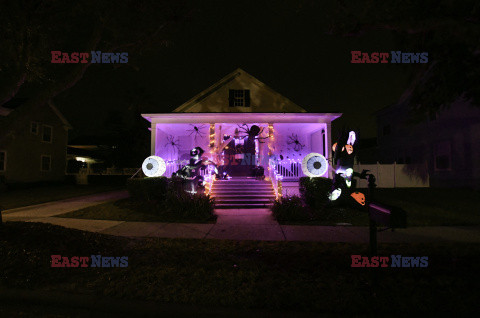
[39, 211]
[232, 224]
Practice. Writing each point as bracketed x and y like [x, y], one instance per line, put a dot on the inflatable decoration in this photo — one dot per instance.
[314, 165]
[154, 166]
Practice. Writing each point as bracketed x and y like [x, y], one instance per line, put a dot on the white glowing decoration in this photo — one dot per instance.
[351, 138]
[154, 166]
[349, 172]
[349, 183]
[335, 194]
[314, 165]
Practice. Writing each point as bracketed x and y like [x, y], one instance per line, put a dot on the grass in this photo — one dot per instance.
[299, 276]
[24, 197]
[130, 210]
[424, 207]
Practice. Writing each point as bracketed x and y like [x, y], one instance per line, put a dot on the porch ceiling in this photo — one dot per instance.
[172, 118]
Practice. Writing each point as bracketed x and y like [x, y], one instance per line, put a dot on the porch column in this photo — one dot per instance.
[153, 138]
[328, 145]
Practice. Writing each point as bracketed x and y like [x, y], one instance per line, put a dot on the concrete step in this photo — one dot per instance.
[242, 206]
[242, 183]
[241, 202]
[253, 191]
[245, 196]
[242, 186]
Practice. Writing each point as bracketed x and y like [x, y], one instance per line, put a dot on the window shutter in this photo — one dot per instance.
[247, 97]
[231, 102]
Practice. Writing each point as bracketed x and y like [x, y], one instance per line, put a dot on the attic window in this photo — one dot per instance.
[239, 97]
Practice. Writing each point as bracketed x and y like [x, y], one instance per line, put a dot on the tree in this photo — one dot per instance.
[32, 29]
[448, 30]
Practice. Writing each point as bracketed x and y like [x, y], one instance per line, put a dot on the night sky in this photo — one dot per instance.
[285, 49]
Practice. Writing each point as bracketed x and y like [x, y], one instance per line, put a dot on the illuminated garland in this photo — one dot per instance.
[212, 136]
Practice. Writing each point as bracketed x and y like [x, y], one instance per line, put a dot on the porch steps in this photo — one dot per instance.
[242, 193]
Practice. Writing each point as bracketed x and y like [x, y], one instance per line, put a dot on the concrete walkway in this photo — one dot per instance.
[232, 224]
[40, 211]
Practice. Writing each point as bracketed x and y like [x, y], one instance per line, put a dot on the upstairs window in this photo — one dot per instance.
[47, 133]
[34, 128]
[3, 160]
[239, 97]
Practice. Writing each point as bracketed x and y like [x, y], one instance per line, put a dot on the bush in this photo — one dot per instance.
[162, 196]
[152, 190]
[189, 206]
[314, 191]
[291, 209]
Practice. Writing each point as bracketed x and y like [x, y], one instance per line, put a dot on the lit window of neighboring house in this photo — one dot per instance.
[46, 163]
[239, 97]
[3, 160]
[34, 128]
[47, 133]
[443, 156]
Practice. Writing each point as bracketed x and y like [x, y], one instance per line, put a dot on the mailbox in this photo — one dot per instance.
[386, 215]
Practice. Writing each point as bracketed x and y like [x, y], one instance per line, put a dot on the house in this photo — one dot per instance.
[219, 118]
[448, 143]
[33, 143]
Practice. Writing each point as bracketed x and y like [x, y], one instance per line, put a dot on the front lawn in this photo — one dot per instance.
[298, 276]
[36, 195]
[131, 210]
[424, 207]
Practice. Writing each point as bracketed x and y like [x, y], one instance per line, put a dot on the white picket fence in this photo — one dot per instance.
[395, 175]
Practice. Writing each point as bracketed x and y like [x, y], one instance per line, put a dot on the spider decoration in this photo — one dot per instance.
[197, 131]
[293, 140]
[251, 132]
[172, 142]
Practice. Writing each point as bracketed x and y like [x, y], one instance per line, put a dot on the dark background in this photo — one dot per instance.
[287, 50]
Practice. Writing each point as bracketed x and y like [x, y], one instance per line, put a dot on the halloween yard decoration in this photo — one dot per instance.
[293, 140]
[197, 130]
[314, 165]
[345, 150]
[172, 143]
[195, 182]
[154, 166]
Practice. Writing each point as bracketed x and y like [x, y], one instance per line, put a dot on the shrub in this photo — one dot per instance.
[148, 189]
[189, 206]
[290, 208]
[314, 191]
[160, 195]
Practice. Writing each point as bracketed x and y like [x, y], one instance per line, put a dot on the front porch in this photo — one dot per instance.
[281, 143]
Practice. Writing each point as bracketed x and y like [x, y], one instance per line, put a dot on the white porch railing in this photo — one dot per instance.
[175, 165]
[289, 168]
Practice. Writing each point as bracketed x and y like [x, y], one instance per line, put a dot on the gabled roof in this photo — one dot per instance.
[16, 111]
[215, 98]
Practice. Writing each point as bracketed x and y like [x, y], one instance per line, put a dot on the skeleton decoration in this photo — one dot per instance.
[293, 140]
[197, 130]
[193, 180]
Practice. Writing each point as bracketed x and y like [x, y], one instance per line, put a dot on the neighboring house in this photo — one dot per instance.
[33, 143]
[224, 111]
[448, 144]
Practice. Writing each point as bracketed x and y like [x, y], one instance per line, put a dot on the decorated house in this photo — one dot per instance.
[241, 123]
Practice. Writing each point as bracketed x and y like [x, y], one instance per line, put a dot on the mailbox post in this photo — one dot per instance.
[372, 224]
